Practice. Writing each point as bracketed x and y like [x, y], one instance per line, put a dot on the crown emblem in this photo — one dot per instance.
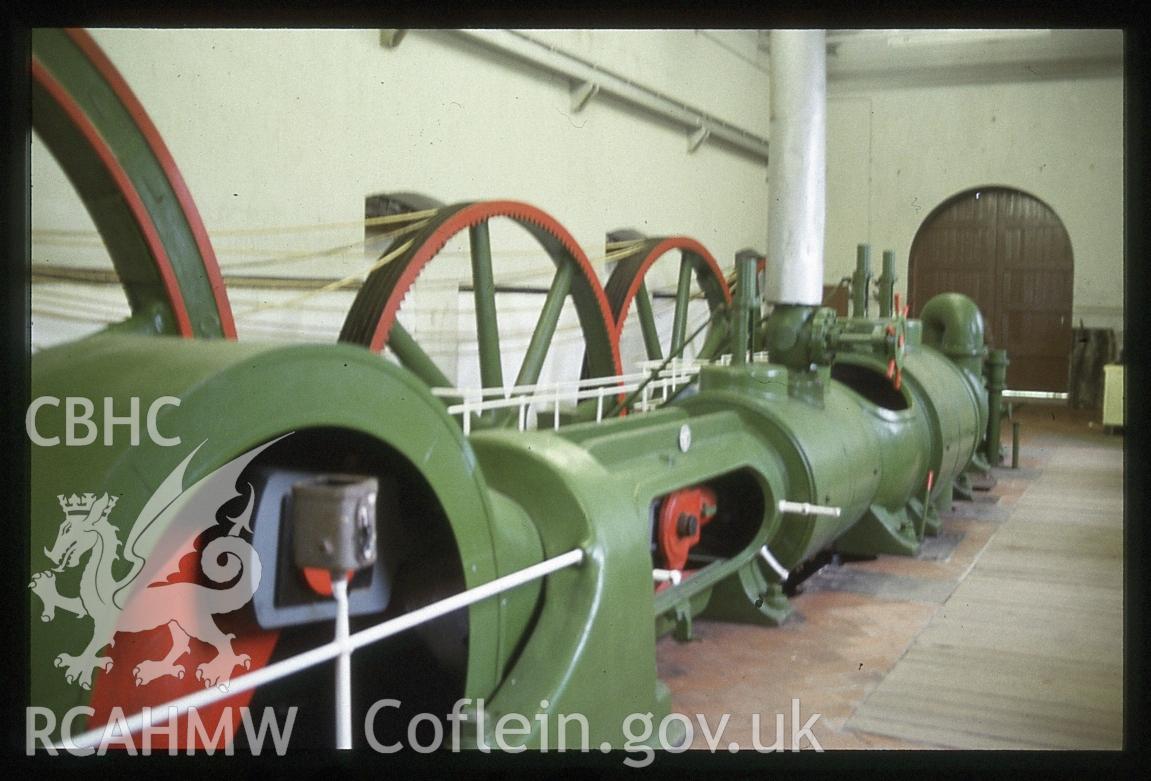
[82, 505]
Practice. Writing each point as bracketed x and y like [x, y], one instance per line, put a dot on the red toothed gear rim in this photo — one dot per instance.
[119, 177]
[91, 122]
[623, 285]
[159, 149]
[370, 319]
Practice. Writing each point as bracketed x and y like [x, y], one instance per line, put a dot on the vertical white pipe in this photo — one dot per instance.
[343, 664]
[797, 169]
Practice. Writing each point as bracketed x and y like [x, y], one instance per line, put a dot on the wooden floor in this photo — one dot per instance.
[1009, 634]
[1028, 650]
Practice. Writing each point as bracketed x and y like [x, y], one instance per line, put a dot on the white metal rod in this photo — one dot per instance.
[765, 554]
[343, 664]
[160, 714]
[445, 606]
[1022, 394]
[803, 508]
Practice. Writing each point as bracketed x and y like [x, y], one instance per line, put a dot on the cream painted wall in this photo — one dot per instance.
[1060, 141]
[281, 128]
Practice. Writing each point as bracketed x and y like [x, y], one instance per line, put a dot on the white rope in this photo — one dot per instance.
[44, 234]
[336, 285]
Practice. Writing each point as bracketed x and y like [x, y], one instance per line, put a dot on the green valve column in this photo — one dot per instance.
[996, 383]
[886, 283]
[861, 281]
[744, 305]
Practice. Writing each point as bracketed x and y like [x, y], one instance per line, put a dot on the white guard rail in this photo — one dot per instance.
[602, 389]
[522, 397]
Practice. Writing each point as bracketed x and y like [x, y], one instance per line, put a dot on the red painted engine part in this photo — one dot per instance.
[682, 515]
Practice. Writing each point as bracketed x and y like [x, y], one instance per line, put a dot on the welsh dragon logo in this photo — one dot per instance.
[141, 600]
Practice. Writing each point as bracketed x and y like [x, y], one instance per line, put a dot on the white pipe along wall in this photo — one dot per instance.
[797, 169]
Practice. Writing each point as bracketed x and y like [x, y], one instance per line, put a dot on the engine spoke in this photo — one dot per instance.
[682, 302]
[647, 323]
[484, 294]
[546, 326]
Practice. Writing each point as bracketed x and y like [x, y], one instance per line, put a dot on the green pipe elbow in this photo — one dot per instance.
[953, 324]
[799, 335]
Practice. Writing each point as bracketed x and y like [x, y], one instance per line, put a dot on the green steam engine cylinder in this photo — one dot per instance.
[950, 410]
[466, 510]
[812, 443]
[445, 528]
[824, 426]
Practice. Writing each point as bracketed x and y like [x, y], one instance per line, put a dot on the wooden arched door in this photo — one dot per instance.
[1010, 252]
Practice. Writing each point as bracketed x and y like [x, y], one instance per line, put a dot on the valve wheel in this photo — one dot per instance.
[628, 283]
[372, 320]
[95, 127]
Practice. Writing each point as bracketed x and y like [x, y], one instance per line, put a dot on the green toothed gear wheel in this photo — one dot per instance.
[96, 129]
[628, 284]
[372, 320]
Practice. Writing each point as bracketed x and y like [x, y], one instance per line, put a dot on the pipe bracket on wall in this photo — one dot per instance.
[390, 39]
[528, 49]
[583, 92]
[696, 139]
